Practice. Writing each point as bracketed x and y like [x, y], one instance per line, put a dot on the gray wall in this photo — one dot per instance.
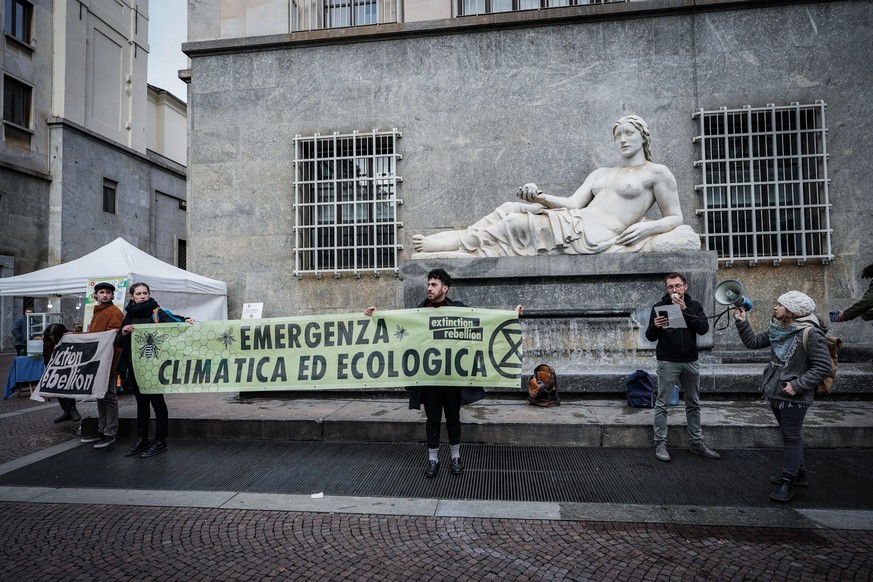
[24, 219]
[487, 108]
[77, 188]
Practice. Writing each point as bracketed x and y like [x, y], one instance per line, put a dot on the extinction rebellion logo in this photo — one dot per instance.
[456, 328]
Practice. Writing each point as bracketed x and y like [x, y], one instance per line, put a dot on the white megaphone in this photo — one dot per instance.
[730, 292]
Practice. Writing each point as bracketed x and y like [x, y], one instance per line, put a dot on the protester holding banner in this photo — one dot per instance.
[439, 400]
[143, 309]
[51, 335]
[107, 316]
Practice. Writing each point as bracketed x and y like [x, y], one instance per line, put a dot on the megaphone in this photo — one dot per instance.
[730, 292]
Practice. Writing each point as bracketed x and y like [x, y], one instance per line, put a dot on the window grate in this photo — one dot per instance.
[345, 201]
[318, 14]
[764, 183]
[475, 7]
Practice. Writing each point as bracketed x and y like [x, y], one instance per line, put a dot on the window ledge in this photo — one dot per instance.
[14, 125]
[28, 46]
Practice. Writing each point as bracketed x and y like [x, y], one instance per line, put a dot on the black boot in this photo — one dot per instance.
[64, 417]
[141, 444]
[784, 493]
[74, 414]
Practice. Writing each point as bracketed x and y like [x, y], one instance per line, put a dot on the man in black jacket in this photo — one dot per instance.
[677, 362]
[441, 399]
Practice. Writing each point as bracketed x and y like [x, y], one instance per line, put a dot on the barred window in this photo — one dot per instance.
[473, 7]
[317, 14]
[764, 183]
[345, 200]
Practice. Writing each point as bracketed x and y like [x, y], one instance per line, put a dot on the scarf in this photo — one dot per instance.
[784, 338]
[140, 310]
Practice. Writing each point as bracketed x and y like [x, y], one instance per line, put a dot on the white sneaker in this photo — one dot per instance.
[661, 453]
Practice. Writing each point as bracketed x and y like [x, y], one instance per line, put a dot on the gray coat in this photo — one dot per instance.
[805, 370]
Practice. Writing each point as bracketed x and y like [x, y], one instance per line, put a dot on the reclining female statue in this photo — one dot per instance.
[604, 215]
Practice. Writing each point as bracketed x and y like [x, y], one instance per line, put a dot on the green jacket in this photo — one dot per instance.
[864, 307]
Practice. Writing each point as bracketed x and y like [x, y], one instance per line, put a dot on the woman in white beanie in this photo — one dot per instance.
[789, 382]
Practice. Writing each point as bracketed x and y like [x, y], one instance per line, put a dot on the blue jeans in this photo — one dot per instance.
[790, 417]
[687, 375]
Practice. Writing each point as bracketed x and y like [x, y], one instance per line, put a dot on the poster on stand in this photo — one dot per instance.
[120, 283]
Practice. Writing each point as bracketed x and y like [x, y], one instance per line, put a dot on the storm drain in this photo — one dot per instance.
[493, 472]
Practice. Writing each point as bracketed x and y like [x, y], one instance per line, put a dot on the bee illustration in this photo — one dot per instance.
[400, 333]
[227, 338]
[151, 343]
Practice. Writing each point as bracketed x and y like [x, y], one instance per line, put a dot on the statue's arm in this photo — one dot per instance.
[531, 193]
[667, 196]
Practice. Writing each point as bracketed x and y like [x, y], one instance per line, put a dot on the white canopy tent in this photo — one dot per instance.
[180, 291]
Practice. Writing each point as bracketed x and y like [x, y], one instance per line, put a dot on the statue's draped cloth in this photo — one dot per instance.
[513, 231]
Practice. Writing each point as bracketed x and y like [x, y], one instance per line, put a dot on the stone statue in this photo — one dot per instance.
[605, 215]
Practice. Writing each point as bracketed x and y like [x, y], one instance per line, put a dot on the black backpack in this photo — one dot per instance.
[640, 390]
[542, 387]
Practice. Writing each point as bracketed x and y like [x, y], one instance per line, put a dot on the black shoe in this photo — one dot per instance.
[784, 493]
[457, 467]
[139, 446]
[433, 467]
[74, 414]
[64, 417]
[801, 480]
[157, 448]
[104, 442]
[93, 438]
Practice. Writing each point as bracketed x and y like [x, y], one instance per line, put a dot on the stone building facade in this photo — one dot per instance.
[89, 150]
[486, 103]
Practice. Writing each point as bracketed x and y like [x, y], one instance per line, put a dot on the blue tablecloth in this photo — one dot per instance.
[24, 369]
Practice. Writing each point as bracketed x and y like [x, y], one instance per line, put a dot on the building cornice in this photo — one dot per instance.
[150, 157]
[469, 24]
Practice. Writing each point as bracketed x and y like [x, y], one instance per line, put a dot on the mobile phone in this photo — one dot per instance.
[834, 315]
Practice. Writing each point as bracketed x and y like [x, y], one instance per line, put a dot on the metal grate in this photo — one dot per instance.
[345, 200]
[765, 183]
[317, 14]
[493, 472]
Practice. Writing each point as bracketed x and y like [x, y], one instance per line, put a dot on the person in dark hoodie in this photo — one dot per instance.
[677, 363]
[799, 362]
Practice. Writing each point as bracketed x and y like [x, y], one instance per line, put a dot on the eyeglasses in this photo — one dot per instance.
[675, 287]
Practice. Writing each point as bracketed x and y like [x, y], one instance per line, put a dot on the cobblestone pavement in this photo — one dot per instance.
[92, 542]
[83, 542]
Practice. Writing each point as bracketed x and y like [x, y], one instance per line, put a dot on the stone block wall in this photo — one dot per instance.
[499, 102]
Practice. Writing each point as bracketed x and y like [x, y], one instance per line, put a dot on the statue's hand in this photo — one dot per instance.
[635, 233]
[530, 193]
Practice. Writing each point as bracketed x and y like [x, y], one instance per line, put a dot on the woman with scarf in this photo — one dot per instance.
[143, 309]
[797, 366]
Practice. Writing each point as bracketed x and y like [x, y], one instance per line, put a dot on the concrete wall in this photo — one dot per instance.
[167, 125]
[101, 66]
[78, 223]
[33, 66]
[503, 102]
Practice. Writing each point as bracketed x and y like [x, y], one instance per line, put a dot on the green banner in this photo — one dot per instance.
[449, 346]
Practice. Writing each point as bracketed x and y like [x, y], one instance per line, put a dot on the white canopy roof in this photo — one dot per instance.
[179, 290]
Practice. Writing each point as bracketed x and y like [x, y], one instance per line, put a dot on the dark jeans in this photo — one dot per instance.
[790, 417]
[67, 404]
[436, 400]
[162, 415]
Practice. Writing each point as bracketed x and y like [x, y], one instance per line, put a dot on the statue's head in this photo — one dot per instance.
[641, 126]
